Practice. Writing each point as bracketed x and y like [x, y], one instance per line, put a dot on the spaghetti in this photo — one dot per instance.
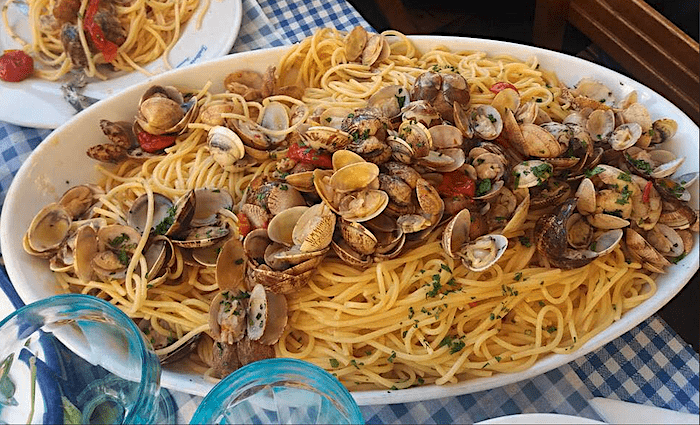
[150, 30]
[420, 318]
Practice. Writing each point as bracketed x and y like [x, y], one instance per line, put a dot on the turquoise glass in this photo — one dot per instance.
[278, 391]
[78, 359]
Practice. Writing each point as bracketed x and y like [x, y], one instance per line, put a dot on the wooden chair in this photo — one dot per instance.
[653, 50]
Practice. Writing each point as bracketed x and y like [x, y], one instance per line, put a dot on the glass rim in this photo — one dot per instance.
[260, 372]
[150, 370]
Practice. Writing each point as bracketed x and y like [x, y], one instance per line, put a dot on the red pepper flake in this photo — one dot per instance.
[108, 49]
[15, 66]
[647, 192]
[502, 85]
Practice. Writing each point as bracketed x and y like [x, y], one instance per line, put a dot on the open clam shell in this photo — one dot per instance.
[483, 252]
[227, 316]
[49, 228]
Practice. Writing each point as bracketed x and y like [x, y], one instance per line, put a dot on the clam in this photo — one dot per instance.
[281, 226]
[78, 199]
[663, 130]
[163, 109]
[225, 146]
[552, 240]
[625, 136]
[249, 351]
[85, 251]
[665, 240]
[531, 173]
[355, 43]
[600, 124]
[230, 265]
[363, 205]
[642, 251]
[355, 176]
[163, 212]
[483, 252]
[200, 237]
[417, 136]
[390, 100]
[325, 137]
[208, 203]
[48, 229]
[267, 315]
[595, 90]
[227, 316]
[485, 121]
[456, 233]
[314, 229]
[423, 112]
[245, 83]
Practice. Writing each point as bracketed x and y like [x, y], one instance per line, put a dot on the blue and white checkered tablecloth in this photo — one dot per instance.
[650, 364]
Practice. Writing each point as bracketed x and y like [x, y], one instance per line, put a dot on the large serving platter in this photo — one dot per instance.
[60, 162]
[39, 103]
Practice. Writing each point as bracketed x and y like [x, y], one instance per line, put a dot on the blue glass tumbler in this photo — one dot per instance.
[278, 391]
[78, 359]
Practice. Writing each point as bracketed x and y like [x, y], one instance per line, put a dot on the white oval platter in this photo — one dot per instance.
[60, 162]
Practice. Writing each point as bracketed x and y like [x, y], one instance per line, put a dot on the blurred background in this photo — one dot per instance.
[515, 22]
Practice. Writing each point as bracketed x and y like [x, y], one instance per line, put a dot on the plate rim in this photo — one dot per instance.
[173, 379]
[39, 88]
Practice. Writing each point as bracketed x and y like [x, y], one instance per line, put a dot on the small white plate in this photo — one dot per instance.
[40, 103]
[539, 418]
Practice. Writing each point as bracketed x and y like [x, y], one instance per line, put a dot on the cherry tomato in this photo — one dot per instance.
[647, 192]
[502, 85]
[15, 65]
[108, 49]
[243, 224]
[153, 143]
[312, 156]
[456, 183]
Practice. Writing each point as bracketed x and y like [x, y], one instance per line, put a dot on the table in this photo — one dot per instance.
[650, 364]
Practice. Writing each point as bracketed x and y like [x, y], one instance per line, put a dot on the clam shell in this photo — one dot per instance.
[354, 176]
[314, 229]
[230, 265]
[483, 252]
[49, 228]
[282, 225]
[456, 233]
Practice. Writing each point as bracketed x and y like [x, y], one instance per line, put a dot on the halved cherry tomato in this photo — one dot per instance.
[456, 183]
[502, 85]
[647, 192]
[153, 143]
[312, 156]
[243, 224]
[108, 49]
[15, 66]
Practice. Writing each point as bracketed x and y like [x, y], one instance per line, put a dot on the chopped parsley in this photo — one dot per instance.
[483, 187]
[119, 240]
[624, 196]
[165, 224]
[594, 171]
[455, 344]
[334, 363]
